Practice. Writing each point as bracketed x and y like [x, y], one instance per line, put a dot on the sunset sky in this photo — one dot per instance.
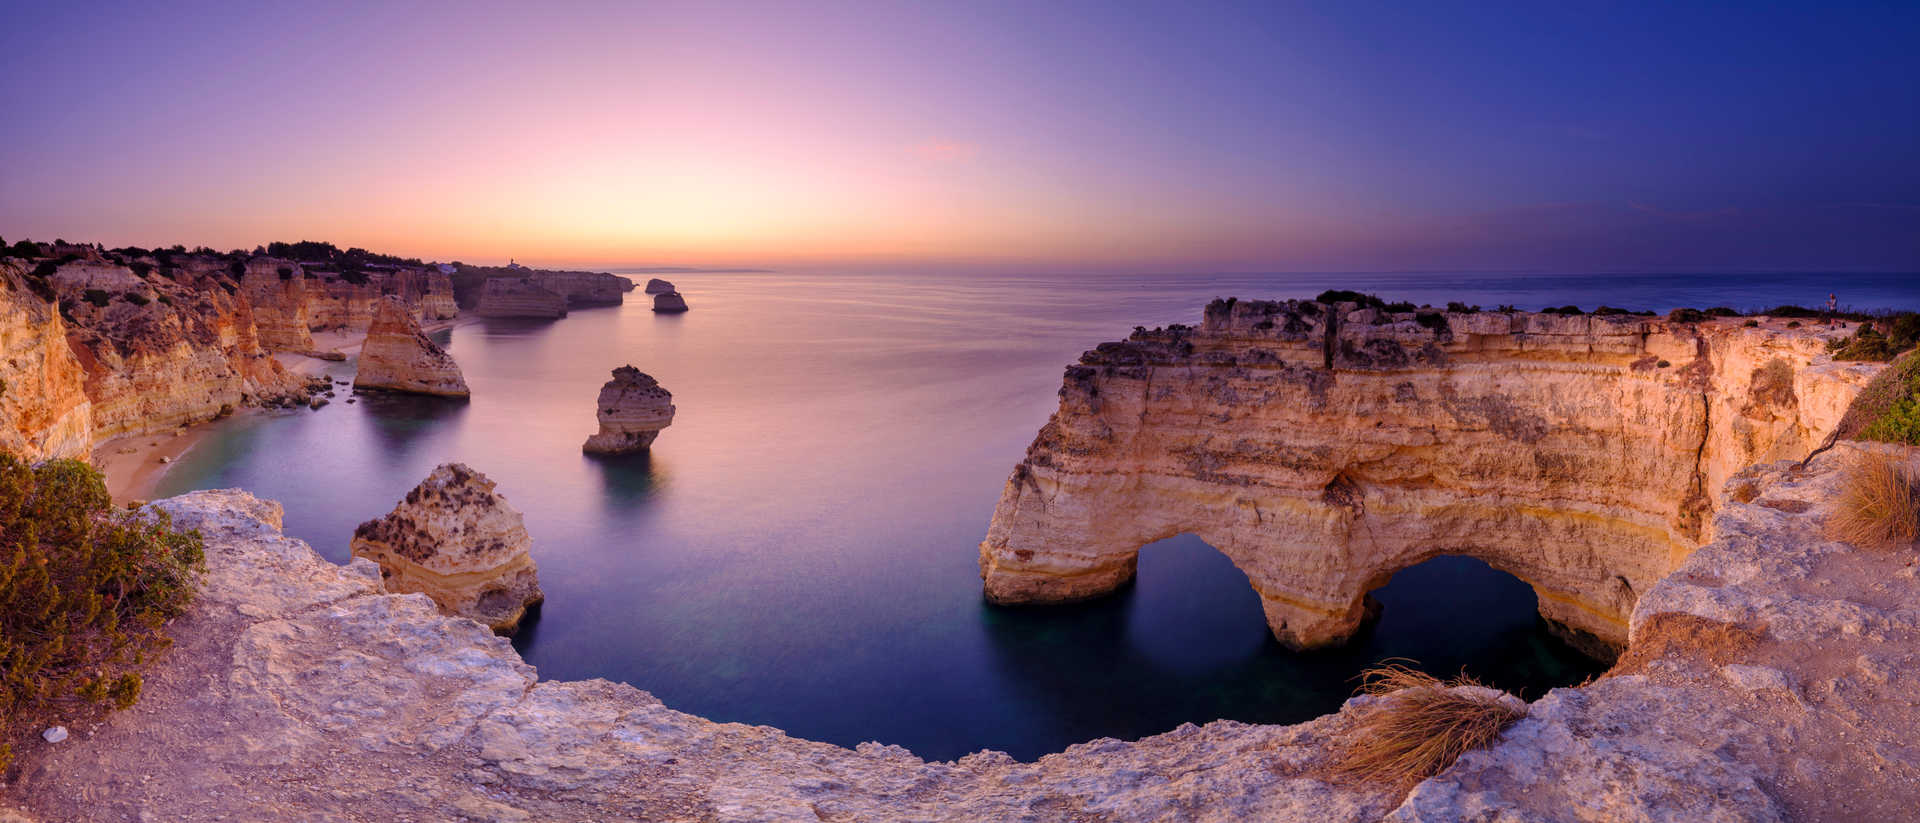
[1049, 136]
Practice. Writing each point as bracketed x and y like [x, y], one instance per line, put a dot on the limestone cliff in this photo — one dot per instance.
[165, 347]
[519, 297]
[398, 356]
[456, 540]
[1770, 678]
[277, 291]
[1323, 448]
[632, 410]
[336, 302]
[43, 398]
[658, 286]
[581, 288]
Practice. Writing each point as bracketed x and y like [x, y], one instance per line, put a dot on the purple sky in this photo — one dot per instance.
[1043, 136]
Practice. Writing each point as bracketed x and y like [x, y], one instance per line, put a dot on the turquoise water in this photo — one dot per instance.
[800, 548]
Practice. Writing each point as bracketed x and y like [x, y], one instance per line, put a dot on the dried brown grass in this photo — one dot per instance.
[1879, 503]
[1417, 728]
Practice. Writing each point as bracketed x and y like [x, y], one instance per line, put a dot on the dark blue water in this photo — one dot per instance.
[800, 548]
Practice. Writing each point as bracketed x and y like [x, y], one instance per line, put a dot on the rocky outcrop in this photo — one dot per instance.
[1323, 448]
[399, 357]
[277, 292]
[633, 408]
[167, 346]
[581, 288]
[336, 302]
[1770, 678]
[519, 297]
[658, 286]
[669, 303]
[456, 540]
[44, 410]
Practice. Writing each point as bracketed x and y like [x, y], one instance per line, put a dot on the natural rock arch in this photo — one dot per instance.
[1323, 448]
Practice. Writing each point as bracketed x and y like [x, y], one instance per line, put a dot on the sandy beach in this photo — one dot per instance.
[132, 463]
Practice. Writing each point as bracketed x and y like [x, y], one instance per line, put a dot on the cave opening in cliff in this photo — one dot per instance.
[1191, 611]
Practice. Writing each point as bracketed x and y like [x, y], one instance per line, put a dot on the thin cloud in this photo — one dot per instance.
[947, 151]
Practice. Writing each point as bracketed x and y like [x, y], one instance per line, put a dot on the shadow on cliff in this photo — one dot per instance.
[401, 423]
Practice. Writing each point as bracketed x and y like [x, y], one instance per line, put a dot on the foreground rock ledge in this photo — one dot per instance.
[1771, 678]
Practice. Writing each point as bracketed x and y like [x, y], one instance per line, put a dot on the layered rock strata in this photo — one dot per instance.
[398, 356]
[581, 288]
[334, 302]
[658, 286]
[277, 291]
[43, 395]
[166, 347]
[1323, 448]
[669, 303]
[456, 540]
[1770, 678]
[632, 410]
[519, 297]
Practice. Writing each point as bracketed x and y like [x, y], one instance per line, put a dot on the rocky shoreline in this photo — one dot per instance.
[298, 689]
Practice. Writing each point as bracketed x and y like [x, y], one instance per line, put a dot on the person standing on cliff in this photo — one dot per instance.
[1833, 305]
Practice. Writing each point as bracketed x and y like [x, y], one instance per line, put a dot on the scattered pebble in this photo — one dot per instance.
[55, 734]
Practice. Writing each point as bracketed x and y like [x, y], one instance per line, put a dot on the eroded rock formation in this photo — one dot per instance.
[669, 302]
[580, 288]
[519, 297]
[658, 286]
[335, 302]
[632, 410]
[1770, 678]
[398, 356]
[43, 395]
[277, 291]
[1323, 448]
[456, 540]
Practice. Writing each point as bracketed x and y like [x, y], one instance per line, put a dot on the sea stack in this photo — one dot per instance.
[669, 302]
[658, 286]
[455, 540]
[399, 357]
[633, 409]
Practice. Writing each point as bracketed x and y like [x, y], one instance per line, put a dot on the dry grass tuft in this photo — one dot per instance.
[1879, 504]
[1418, 727]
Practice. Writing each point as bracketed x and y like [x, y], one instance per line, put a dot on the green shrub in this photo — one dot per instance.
[1686, 315]
[1900, 424]
[98, 297]
[1751, 324]
[85, 590]
[1568, 311]
[1366, 301]
[135, 298]
[1663, 364]
[1722, 311]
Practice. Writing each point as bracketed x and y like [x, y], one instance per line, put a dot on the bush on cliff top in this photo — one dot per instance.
[1417, 726]
[1888, 409]
[85, 590]
[1878, 504]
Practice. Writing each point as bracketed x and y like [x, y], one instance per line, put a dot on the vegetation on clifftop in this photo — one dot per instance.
[1888, 409]
[85, 591]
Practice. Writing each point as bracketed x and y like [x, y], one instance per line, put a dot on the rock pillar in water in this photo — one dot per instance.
[633, 409]
[670, 302]
[455, 539]
[399, 357]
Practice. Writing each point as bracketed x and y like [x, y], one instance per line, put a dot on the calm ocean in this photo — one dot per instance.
[799, 550]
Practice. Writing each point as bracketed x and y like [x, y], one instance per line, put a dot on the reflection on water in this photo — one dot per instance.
[800, 548]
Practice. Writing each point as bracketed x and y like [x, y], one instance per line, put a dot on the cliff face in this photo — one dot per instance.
[334, 302]
[399, 357]
[1770, 678]
[165, 348]
[277, 292]
[518, 297]
[1323, 448]
[42, 387]
[456, 540]
[581, 288]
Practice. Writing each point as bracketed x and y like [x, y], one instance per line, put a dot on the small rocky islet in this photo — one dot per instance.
[632, 409]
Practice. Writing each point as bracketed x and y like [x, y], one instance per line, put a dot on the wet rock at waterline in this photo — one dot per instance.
[633, 409]
[456, 540]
